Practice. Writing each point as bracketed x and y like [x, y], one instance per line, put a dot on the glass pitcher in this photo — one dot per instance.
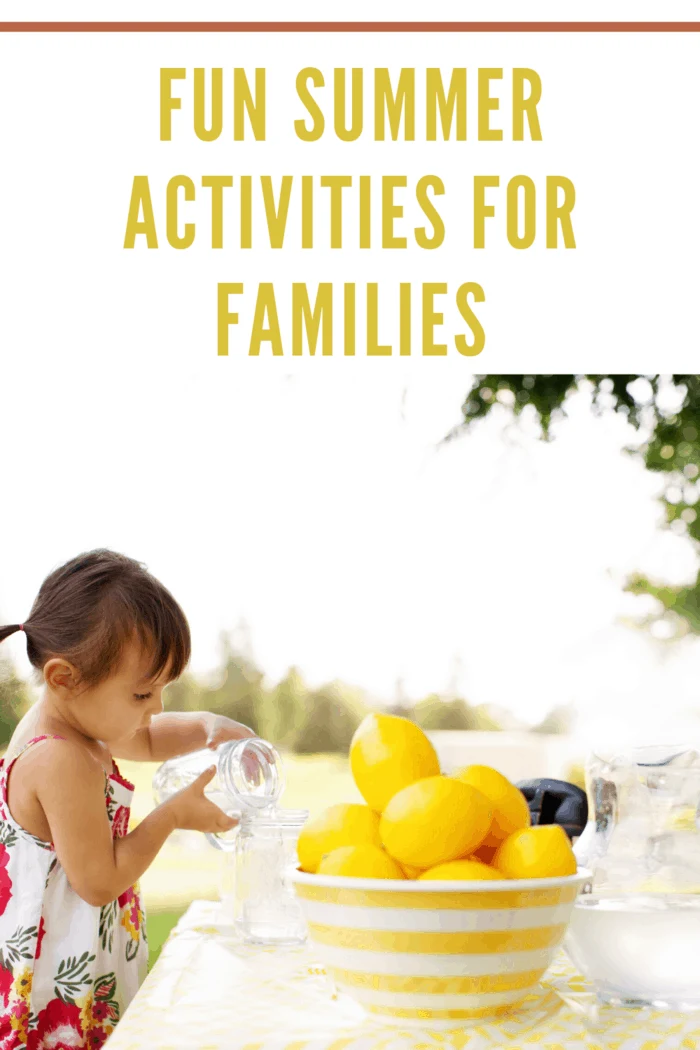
[249, 779]
[635, 930]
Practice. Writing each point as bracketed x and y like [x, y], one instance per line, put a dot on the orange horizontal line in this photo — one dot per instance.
[350, 27]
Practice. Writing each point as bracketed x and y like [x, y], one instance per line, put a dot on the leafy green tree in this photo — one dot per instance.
[284, 709]
[486, 718]
[236, 690]
[332, 715]
[559, 720]
[436, 713]
[671, 447]
[183, 694]
[239, 695]
[402, 710]
[15, 700]
[309, 721]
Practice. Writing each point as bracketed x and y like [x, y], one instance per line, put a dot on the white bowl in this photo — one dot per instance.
[436, 953]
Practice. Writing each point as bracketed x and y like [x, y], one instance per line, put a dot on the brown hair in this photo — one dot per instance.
[87, 610]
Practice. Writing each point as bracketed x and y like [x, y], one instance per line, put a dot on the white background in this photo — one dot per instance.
[304, 495]
[85, 120]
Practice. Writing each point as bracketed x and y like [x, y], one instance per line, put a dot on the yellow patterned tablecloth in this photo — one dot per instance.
[208, 992]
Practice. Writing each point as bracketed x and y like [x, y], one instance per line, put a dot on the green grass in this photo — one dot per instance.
[160, 923]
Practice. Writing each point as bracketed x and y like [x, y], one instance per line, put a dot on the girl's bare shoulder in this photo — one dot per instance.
[60, 755]
[50, 768]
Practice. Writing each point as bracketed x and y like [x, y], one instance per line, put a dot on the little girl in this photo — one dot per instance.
[105, 637]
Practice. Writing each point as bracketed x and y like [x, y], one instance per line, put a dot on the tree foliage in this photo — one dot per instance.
[436, 713]
[670, 447]
[14, 700]
[288, 713]
[559, 720]
[331, 716]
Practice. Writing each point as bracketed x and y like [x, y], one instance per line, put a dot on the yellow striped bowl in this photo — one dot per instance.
[436, 953]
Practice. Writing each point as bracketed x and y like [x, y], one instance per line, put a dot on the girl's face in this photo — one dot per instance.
[119, 707]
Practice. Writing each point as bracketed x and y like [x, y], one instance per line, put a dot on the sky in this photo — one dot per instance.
[320, 509]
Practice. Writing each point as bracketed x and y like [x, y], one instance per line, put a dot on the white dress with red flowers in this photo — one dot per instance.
[68, 970]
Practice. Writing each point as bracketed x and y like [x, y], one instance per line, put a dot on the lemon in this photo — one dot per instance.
[363, 862]
[462, 869]
[348, 824]
[434, 820]
[411, 872]
[387, 754]
[536, 853]
[510, 810]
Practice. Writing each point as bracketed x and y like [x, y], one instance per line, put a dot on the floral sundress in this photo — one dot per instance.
[68, 970]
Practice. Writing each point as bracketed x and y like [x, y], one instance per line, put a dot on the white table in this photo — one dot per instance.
[209, 992]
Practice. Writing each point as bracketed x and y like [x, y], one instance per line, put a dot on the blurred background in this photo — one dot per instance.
[511, 561]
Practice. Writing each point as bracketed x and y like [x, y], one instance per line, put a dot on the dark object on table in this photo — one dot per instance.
[556, 802]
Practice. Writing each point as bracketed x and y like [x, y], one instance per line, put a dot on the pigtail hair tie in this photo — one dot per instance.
[21, 627]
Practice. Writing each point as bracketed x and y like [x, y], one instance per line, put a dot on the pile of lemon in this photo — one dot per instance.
[419, 824]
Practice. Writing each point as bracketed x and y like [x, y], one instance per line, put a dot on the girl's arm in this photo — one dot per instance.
[99, 868]
[177, 733]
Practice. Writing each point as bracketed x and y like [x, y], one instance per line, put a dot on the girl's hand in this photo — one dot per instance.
[222, 729]
[193, 811]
